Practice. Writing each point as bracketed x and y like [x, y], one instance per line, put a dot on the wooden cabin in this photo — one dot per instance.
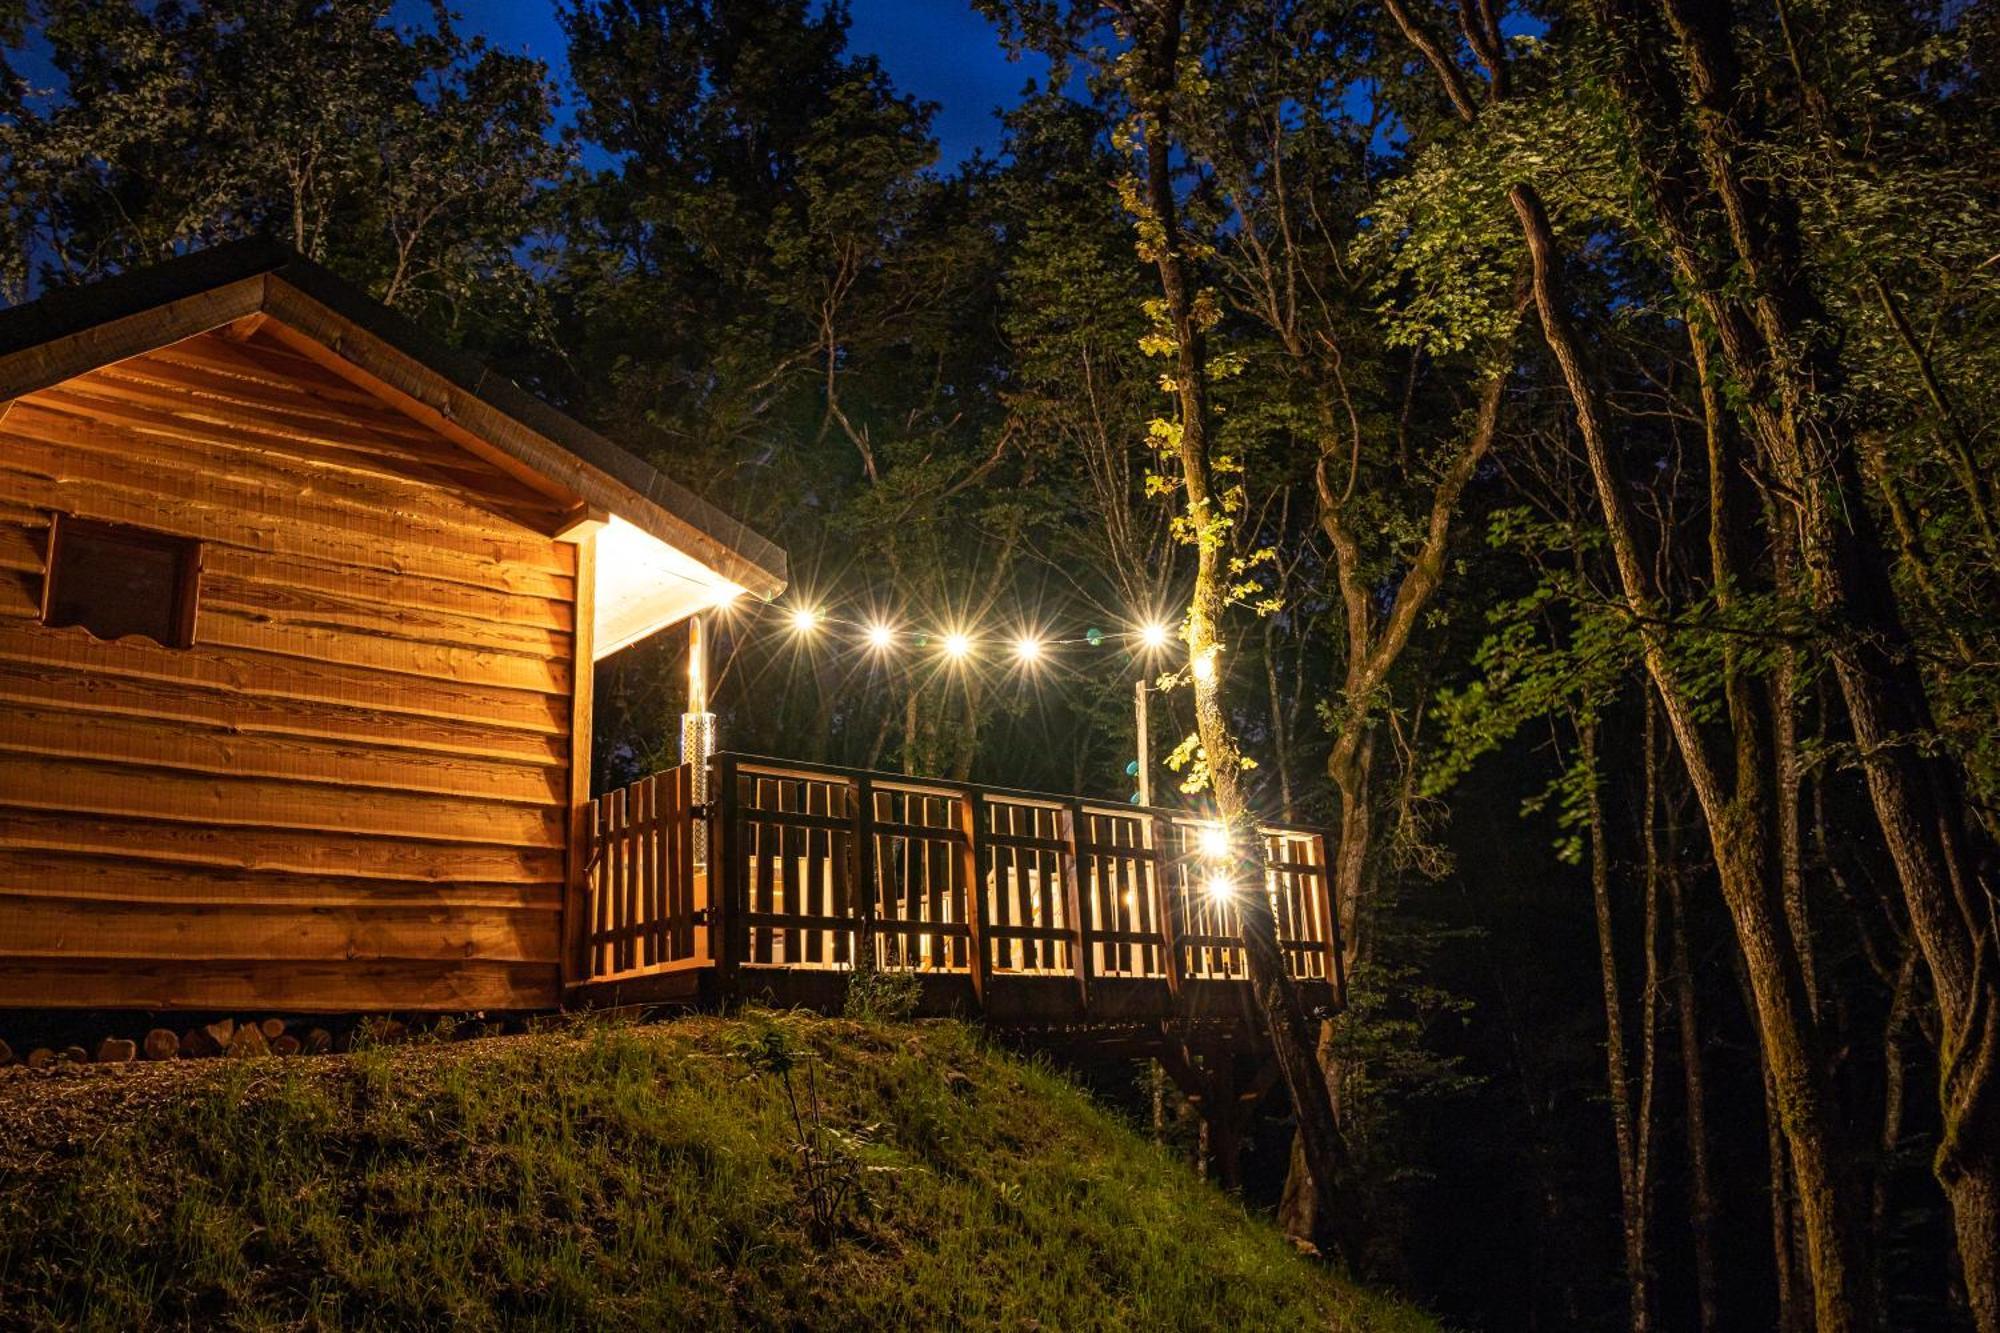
[297, 618]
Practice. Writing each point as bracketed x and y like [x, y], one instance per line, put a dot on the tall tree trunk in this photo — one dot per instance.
[1739, 815]
[1156, 30]
[1701, 1180]
[1790, 383]
[1625, 1126]
[1738, 812]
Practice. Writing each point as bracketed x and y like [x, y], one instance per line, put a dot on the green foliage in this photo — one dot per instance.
[635, 1178]
[882, 994]
[411, 159]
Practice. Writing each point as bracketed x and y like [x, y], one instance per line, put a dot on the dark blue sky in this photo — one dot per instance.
[940, 50]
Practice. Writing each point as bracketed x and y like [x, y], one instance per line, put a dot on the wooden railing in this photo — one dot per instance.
[813, 868]
[645, 902]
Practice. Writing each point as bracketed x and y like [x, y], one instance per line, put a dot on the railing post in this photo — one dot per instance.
[861, 859]
[971, 824]
[1073, 892]
[727, 930]
[1330, 923]
[582, 911]
[1167, 906]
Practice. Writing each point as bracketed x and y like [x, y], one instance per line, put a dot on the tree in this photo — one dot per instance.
[409, 159]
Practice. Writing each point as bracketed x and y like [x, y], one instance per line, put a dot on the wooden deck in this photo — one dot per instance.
[1024, 909]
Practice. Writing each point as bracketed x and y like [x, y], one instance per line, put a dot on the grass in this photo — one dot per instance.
[632, 1177]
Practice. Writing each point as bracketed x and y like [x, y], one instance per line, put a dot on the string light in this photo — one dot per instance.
[1219, 888]
[960, 644]
[1214, 842]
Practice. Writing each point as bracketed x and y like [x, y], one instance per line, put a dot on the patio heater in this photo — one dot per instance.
[698, 729]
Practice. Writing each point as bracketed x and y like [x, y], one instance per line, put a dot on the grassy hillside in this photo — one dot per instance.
[624, 1177]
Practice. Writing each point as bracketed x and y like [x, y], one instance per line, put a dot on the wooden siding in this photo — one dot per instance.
[354, 790]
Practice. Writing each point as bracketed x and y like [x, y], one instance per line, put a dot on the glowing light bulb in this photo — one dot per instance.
[880, 635]
[1219, 888]
[1204, 667]
[1215, 842]
[1155, 635]
[805, 620]
[1029, 649]
[957, 645]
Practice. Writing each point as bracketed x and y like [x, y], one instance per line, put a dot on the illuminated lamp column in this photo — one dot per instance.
[698, 728]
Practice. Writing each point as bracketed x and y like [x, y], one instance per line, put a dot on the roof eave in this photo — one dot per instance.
[76, 330]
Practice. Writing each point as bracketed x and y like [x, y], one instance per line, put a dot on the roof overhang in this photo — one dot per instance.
[666, 552]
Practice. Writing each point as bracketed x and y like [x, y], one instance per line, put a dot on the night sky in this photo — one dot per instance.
[940, 50]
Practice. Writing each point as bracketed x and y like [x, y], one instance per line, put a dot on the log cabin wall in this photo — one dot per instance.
[352, 790]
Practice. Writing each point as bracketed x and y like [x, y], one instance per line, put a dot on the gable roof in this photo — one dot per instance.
[74, 330]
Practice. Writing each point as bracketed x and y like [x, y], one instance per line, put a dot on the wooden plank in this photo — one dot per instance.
[579, 810]
[310, 609]
[95, 874]
[725, 874]
[1166, 906]
[798, 819]
[47, 363]
[236, 355]
[971, 820]
[21, 546]
[84, 696]
[812, 898]
[655, 852]
[618, 867]
[284, 678]
[859, 900]
[86, 479]
[769, 849]
[37, 927]
[273, 527]
[389, 595]
[451, 492]
[94, 787]
[600, 913]
[1073, 894]
[291, 986]
[22, 596]
[681, 863]
[226, 627]
[187, 746]
[223, 850]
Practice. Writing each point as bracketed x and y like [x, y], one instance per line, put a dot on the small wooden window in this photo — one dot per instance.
[115, 581]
